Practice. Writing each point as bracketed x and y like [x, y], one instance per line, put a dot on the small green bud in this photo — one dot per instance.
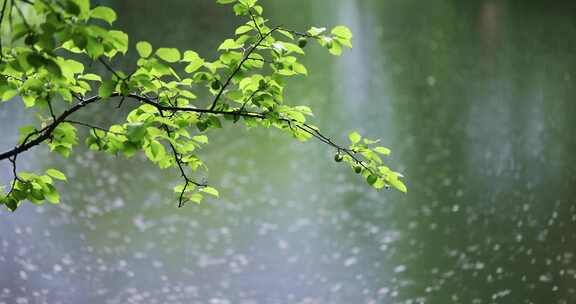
[302, 42]
[338, 158]
[358, 169]
[215, 85]
[371, 179]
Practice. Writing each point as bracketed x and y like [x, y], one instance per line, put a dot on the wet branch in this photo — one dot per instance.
[180, 164]
[301, 34]
[246, 57]
[46, 132]
[37, 137]
[14, 173]
[83, 124]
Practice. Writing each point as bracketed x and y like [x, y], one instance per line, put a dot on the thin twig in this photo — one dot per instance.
[249, 99]
[14, 173]
[74, 122]
[109, 68]
[26, 24]
[246, 57]
[51, 109]
[259, 59]
[4, 5]
[46, 132]
[178, 160]
[12, 77]
[255, 23]
[301, 34]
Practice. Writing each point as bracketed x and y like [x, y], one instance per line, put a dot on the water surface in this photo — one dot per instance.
[476, 100]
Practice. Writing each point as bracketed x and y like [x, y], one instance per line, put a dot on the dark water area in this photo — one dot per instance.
[476, 99]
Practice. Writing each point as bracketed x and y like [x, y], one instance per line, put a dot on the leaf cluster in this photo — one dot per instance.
[48, 64]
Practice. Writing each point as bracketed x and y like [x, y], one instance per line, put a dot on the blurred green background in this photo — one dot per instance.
[475, 98]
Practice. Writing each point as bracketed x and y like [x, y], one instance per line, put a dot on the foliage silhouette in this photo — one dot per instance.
[48, 64]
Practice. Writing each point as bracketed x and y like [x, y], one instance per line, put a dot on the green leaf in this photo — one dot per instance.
[72, 8]
[89, 76]
[179, 188]
[248, 3]
[225, 1]
[210, 191]
[335, 48]
[286, 33]
[168, 54]
[342, 32]
[52, 195]
[243, 29]
[144, 49]
[70, 67]
[94, 48]
[53, 68]
[382, 150]
[229, 44]
[290, 47]
[8, 94]
[315, 31]
[190, 56]
[203, 139]
[354, 137]
[120, 40]
[84, 5]
[105, 13]
[106, 88]
[194, 66]
[29, 100]
[11, 203]
[157, 151]
[196, 197]
[398, 184]
[56, 174]
[25, 131]
[135, 131]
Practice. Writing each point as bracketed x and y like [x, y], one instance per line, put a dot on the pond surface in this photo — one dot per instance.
[476, 99]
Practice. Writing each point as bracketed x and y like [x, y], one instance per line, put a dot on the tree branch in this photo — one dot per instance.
[83, 124]
[16, 178]
[301, 34]
[109, 68]
[178, 160]
[246, 57]
[47, 131]
[300, 125]
[255, 23]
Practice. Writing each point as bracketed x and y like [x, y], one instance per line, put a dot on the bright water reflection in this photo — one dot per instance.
[474, 97]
